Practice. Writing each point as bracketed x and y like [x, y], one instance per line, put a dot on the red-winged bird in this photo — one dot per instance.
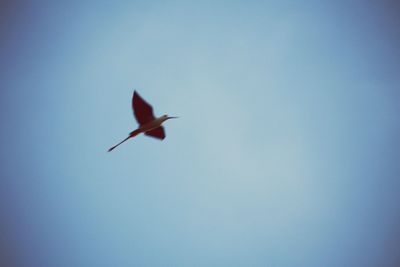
[148, 124]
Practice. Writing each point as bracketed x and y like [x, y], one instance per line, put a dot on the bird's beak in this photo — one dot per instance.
[172, 117]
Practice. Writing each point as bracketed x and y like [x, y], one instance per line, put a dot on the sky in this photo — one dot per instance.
[286, 152]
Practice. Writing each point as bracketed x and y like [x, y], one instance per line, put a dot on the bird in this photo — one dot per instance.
[148, 123]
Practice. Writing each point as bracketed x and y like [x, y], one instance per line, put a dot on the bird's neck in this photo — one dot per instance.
[161, 119]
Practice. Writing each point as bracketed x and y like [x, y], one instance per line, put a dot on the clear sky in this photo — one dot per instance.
[286, 152]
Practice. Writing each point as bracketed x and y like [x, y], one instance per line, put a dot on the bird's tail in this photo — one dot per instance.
[132, 134]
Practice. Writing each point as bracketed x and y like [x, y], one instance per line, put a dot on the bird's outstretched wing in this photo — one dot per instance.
[143, 111]
[156, 133]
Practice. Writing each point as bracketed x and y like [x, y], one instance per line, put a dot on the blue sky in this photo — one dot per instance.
[285, 153]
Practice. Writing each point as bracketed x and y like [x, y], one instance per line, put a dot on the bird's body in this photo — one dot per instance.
[153, 124]
[148, 124]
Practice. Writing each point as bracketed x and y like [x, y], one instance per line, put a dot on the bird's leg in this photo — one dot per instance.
[118, 144]
[132, 134]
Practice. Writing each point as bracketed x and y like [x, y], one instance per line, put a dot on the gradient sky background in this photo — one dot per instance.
[286, 152]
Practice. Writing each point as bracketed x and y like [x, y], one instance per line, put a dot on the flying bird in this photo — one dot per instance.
[148, 124]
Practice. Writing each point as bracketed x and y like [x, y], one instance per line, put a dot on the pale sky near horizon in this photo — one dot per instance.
[285, 153]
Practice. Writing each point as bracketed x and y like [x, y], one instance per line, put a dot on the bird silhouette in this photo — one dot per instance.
[148, 124]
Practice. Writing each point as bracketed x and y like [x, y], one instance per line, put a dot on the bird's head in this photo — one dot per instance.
[166, 117]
